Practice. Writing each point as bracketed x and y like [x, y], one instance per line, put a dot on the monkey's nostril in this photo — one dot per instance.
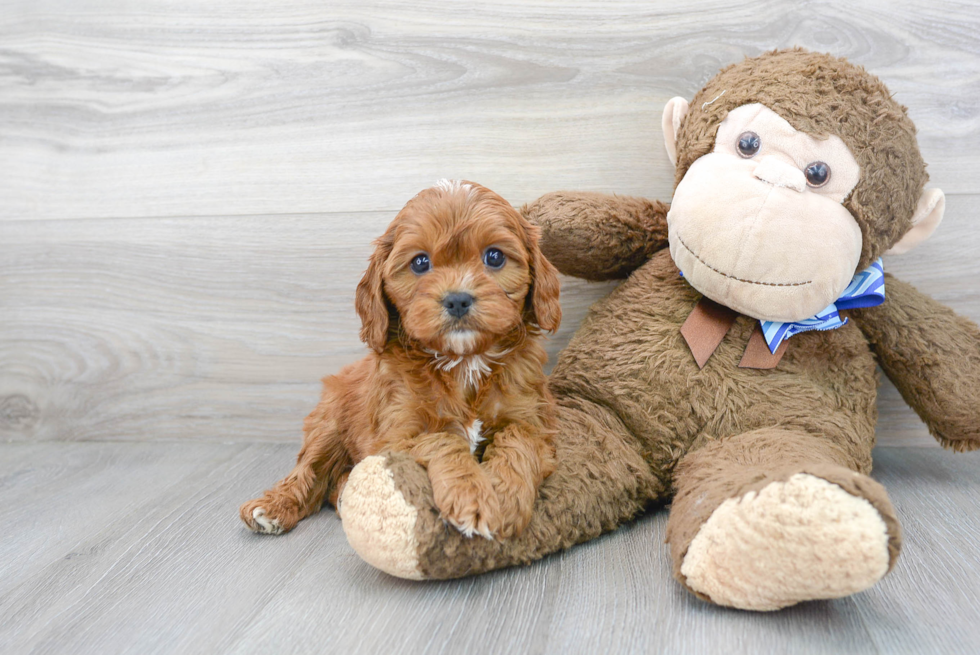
[457, 304]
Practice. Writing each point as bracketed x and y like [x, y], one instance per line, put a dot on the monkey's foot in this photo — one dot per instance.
[379, 522]
[802, 539]
[392, 521]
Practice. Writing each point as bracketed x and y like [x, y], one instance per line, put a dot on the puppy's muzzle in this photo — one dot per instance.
[457, 304]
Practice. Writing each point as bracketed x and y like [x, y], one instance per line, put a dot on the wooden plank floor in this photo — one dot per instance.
[137, 548]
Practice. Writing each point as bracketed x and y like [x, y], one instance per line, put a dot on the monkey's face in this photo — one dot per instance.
[758, 224]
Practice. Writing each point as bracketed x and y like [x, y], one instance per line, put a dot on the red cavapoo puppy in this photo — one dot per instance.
[452, 304]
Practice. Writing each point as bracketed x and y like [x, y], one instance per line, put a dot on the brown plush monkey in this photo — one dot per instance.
[734, 369]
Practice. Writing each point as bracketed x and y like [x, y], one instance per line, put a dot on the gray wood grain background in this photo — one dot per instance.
[188, 192]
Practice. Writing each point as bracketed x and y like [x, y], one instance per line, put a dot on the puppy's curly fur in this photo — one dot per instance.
[444, 387]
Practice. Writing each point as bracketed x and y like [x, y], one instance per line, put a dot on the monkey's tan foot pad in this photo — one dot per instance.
[801, 539]
[379, 521]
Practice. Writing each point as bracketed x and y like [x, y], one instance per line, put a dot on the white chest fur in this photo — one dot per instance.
[469, 370]
[474, 434]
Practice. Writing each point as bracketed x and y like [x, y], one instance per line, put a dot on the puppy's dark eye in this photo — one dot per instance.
[817, 174]
[421, 264]
[493, 258]
[748, 144]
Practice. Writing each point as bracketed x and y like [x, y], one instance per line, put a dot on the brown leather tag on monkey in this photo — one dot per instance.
[757, 354]
[705, 327]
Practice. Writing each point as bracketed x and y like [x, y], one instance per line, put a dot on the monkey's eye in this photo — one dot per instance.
[421, 264]
[748, 144]
[493, 258]
[817, 174]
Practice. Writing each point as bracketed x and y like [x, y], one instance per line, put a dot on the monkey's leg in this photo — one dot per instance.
[600, 481]
[773, 517]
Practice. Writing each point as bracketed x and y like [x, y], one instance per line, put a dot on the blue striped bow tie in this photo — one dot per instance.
[867, 289]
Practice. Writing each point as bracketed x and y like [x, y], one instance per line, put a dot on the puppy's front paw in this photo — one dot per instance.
[264, 517]
[469, 504]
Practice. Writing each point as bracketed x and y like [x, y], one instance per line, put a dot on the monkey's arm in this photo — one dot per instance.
[598, 236]
[933, 357]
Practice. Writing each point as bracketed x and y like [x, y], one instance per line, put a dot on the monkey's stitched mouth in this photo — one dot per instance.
[738, 279]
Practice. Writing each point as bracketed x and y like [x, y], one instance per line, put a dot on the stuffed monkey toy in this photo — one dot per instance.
[733, 371]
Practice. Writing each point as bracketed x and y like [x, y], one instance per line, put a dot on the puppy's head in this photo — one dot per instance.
[457, 269]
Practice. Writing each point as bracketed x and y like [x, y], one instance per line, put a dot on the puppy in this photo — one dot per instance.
[452, 305]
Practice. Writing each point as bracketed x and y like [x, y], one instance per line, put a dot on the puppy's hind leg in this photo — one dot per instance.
[321, 465]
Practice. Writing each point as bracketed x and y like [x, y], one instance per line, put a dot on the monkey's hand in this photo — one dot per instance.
[933, 357]
[598, 236]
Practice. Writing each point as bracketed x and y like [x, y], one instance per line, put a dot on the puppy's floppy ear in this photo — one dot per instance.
[370, 300]
[543, 298]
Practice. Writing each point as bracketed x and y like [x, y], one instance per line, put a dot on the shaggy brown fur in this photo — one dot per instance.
[932, 356]
[639, 422]
[634, 230]
[434, 378]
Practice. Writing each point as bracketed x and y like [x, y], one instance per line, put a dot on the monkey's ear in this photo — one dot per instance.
[927, 217]
[674, 113]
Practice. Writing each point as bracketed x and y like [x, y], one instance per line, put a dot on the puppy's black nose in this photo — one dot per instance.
[457, 304]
